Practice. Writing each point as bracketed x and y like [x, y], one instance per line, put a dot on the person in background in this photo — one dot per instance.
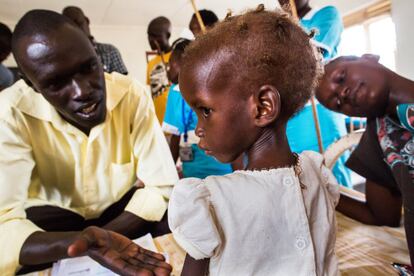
[6, 76]
[209, 19]
[362, 87]
[180, 121]
[108, 54]
[159, 32]
[301, 129]
[79, 147]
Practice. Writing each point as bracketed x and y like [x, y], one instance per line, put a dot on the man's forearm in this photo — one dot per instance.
[132, 226]
[129, 225]
[46, 247]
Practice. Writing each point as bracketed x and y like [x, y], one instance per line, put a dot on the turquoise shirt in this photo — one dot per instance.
[179, 118]
[301, 131]
[405, 113]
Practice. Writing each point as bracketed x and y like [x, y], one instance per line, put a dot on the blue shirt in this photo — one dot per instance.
[179, 118]
[328, 24]
[300, 130]
[6, 77]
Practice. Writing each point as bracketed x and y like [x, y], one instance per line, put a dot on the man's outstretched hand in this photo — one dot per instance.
[118, 253]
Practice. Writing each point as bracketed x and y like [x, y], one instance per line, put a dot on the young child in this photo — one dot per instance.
[180, 121]
[244, 79]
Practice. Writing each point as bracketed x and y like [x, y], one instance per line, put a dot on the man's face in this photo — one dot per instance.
[158, 36]
[174, 67]
[64, 68]
[223, 115]
[355, 86]
[194, 26]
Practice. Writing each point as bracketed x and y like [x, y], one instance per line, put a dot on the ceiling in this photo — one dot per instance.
[140, 12]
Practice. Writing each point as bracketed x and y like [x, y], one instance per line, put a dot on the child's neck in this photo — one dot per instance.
[271, 150]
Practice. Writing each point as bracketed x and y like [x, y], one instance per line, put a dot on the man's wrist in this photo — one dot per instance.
[130, 225]
[46, 247]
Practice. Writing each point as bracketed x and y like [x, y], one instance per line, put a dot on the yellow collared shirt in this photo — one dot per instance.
[44, 160]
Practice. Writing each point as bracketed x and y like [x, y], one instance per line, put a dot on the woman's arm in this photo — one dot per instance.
[381, 207]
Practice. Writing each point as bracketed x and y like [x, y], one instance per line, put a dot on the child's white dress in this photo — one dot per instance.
[260, 222]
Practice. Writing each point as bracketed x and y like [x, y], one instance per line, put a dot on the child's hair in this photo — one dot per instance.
[179, 45]
[263, 47]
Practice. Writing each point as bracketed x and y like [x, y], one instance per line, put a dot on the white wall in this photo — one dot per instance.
[403, 19]
[131, 41]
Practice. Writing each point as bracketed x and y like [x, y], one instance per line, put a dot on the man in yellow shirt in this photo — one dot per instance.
[159, 32]
[72, 145]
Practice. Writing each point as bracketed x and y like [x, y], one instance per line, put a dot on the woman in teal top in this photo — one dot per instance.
[180, 121]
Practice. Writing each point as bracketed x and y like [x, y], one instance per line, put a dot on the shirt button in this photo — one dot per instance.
[300, 243]
[287, 180]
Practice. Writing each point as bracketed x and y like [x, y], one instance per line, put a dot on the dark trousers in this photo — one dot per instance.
[55, 219]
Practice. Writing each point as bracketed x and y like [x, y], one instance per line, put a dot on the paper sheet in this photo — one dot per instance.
[85, 266]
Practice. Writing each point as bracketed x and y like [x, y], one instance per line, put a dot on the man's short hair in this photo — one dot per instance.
[38, 22]
[160, 21]
[209, 17]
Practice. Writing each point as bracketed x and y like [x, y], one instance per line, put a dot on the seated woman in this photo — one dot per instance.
[362, 87]
[180, 121]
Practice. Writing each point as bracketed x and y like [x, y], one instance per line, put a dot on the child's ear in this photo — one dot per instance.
[267, 105]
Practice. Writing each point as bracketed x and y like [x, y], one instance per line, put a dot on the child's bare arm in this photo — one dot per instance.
[193, 267]
[381, 207]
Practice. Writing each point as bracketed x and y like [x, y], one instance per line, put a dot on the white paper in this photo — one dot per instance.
[85, 266]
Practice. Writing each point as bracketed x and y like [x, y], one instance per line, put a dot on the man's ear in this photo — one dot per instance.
[26, 80]
[371, 57]
[87, 20]
[268, 105]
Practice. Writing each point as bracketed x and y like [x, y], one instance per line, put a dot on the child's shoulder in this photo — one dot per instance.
[314, 171]
[312, 162]
[312, 156]
[208, 181]
[191, 186]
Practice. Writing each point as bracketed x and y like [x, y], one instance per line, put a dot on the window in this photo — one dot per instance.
[370, 30]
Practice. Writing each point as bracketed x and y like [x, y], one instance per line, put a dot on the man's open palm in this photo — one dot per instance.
[118, 253]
